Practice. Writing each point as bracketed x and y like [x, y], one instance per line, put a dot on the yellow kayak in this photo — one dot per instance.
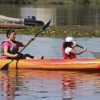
[53, 64]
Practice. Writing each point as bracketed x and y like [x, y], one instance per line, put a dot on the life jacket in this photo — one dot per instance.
[14, 47]
[67, 56]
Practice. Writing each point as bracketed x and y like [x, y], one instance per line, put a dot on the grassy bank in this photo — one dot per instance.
[60, 31]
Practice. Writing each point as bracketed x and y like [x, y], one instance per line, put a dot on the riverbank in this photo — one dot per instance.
[60, 31]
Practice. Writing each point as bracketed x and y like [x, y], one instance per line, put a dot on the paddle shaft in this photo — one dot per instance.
[83, 48]
[31, 41]
[95, 54]
[38, 34]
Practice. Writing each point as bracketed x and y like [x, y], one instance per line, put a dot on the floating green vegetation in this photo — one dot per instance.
[60, 31]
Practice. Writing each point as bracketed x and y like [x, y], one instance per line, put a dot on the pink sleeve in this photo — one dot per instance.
[6, 43]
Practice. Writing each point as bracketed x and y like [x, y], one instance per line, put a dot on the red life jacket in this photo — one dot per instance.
[66, 56]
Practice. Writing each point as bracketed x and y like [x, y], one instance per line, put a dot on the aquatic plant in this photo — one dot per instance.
[60, 31]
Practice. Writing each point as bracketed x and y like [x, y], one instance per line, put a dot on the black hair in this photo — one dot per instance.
[9, 32]
[67, 44]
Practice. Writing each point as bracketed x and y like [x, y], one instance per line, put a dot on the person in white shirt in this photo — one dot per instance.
[68, 49]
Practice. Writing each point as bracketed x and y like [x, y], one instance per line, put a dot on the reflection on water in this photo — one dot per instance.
[49, 85]
[7, 86]
[60, 14]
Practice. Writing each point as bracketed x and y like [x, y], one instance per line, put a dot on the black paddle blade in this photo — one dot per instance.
[5, 67]
[44, 27]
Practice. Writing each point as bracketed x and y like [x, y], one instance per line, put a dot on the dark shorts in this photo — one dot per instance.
[23, 56]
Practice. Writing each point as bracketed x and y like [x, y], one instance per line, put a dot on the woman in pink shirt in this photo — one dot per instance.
[10, 47]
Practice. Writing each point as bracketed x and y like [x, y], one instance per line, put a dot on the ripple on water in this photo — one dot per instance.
[47, 85]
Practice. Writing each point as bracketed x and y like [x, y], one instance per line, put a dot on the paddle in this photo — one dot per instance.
[5, 67]
[95, 54]
[38, 33]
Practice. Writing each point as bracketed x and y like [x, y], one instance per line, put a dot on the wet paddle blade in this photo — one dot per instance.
[5, 67]
[96, 54]
[44, 27]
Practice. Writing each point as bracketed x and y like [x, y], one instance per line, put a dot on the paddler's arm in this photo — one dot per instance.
[22, 44]
[74, 45]
[78, 52]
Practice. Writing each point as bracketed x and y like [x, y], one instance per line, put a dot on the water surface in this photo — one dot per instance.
[50, 85]
[59, 14]
[51, 47]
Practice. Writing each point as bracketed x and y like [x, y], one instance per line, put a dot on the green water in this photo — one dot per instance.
[59, 14]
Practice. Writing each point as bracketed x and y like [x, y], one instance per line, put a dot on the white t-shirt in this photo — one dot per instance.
[67, 50]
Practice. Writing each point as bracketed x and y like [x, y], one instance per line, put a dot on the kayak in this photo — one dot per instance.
[53, 64]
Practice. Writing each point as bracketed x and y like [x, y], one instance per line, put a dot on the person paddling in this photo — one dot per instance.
[68, 51]
[10, 47]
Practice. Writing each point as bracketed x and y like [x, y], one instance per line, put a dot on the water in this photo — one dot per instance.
[51, 47]
[59, 14]
[50, 85]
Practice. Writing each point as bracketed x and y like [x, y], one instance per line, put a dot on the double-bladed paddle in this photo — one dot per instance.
[5, 67]
[95, 54]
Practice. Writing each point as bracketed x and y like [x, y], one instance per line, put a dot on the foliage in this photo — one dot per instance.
[60, 31]
[49, 1]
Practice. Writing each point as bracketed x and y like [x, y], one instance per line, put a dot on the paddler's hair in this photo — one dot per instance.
[67, 44]
[9, 32]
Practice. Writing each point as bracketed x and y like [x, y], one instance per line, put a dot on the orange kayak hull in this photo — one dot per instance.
[53, 64]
